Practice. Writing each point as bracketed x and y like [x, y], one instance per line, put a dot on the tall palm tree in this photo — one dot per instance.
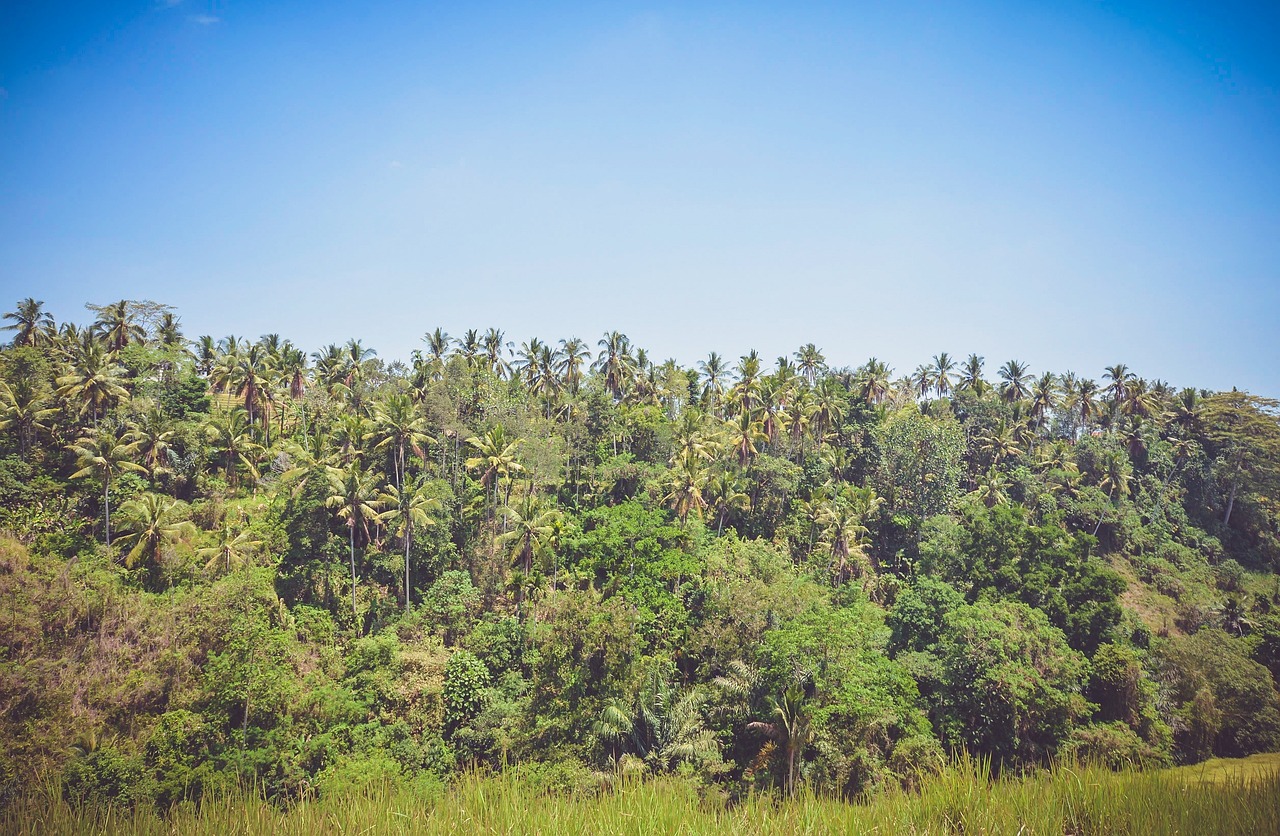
[569, 360]
[828, 408]
[873, 381]
[746, 390]
[438, 343]
[1119, 375]
[810, 361]
[152, 522]
[32, 324]
[399, 429]
[614, 362]
[206, 354]
[714, 373]
[687, 479]
[94, 379]
[1014, 374]
[353, 495]
[527, 533]
[743, 432]
[105, 453]
[1044, 397]
[725, 493]
[496, 459]
[152, 434]
[118, 324]
[494, 343]
[943, 366]
[971, 376]
[231, 436]
[791, 727]
[24, 410]
[404, 512]
[250, 374]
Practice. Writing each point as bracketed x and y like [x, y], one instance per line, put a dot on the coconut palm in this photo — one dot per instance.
[231, 437]
[496, 459]
[687, 479]
[230, 548]
[714, 373]
[1044, 397]
[724, 493]
[403, 513]
[971, 376]
[943, 366]
[1119, 375]
[1014, 375]
[118, 324]
[810, 361]
[614, 362]
[106, 453]
[95, 380]
[790, 727]
[32, 324]
[152, 434]
[527, 533]
[743, 432]
[569, 361]
[152, 522]
[353, 495]
[399, 429]
[873, 381]
[206, 354]
[25, 411]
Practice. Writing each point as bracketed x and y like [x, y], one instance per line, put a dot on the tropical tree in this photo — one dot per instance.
[398, 428]
[943, 366]
[152, 434]
[714, 373]
[106, 453]
[118, 324]
[687, 479]
[971, 376]
[32, 324]
[353, 496]
[789, 726]
[25, 411]
[230, 548]
[152, 522]
[614, 362]
[1014, 388]
[527, 533]
[569, 360]
[403, 513]
[873, 381]
[496, 459]
[95, 379]
[231, 436]
[810, 361]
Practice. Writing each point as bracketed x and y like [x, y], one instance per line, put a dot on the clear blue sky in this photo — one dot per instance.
[1071, 186]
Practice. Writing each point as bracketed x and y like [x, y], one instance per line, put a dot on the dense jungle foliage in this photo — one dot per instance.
[228, 562]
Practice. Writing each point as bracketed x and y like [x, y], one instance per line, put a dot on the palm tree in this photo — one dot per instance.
[873, 380]
[971, 376]
[745, 391]
[153, 522]
[469, 347]
[151, 434]
[688, 477]
[95, 379]
[104, 452]
[403, 512]
[1044, 397]
[206, 355]
[725, 492]
[493, 342]
[790, 727]
[231, 435]
[353, 495]
[399, 428]
[33, 325]
[438, 343]
[1116, 478]
[810, 361]
[1000, 445]
[993, 488]
[614, 362]
[527, 533]
[744, 431]
[496, 460]
[23, 410]
[714, 373]
[942, 368]
[1014, 375]
[828, 408]
[1119, 375]
[663, 727]
[118, 324]
[230, 547]
[569, 360]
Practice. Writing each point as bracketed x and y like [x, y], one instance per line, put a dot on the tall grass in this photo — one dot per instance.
[961, 800]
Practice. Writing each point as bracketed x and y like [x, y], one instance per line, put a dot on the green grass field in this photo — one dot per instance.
[1238, 797]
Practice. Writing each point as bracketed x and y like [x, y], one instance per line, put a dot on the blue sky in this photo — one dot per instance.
[1071, 185]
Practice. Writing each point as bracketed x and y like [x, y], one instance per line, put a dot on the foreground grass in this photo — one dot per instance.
[1223, 797]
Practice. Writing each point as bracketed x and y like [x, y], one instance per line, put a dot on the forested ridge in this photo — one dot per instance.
[231, 562]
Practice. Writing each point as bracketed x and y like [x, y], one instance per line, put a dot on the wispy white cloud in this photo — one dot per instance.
[205, 20]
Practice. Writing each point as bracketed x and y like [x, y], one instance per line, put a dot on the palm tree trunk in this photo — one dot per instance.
[408, 540]
[106, 505]
[1231, 503]
[355, 614]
